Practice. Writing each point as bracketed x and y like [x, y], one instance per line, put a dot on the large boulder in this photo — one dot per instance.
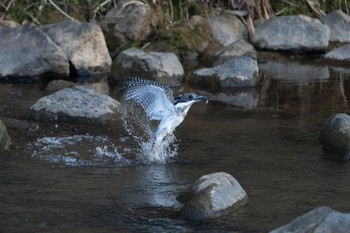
[212, 196]
[292, 33]
[162, 67]
[341, 54]
[83, 44]
[335, 136]
[132, 20]
[77, 104]
[237, 72]
[27, 51]
[5, 139]
[339, 24]
[321, 219]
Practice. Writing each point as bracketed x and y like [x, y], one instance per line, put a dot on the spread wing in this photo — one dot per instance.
[156, 99]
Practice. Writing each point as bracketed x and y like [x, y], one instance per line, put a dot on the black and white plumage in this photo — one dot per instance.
[159, 104]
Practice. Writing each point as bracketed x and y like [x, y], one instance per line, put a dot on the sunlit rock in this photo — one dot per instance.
[162, 67]
[211, 196]
[342, 53]
[335, 136]
[294, 71]
[27, 51]
[339, 24]
[294, 32]
[237, 72]
[5, 140]
[8, 24]
[321, 219]
[236, 49]
[77, 104]
[83, 44]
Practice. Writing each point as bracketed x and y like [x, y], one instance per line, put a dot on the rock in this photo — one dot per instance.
[292, 33]
[335, 136]
[77, 104]
[56, 85]
[227, 28]
[162, 67]
[83, 44]
[294, 71]
[5, 140]
[236, 49]
[211, 196]
[246, 98]
[339, 24]
[342, 53]
[27, 51]
[132, 20]
[8, 24]
[321, 219]
[237, 72]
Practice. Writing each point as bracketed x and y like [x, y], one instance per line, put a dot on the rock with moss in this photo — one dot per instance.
[5, 140]
[238, 72]
[212, 196]
[160, 66]
[339, 24]
[335, 136]
[292, 33]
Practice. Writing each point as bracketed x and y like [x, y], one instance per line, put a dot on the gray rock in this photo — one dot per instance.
[335, 136]
[339, 24]
[132, 20]
[162, 67]
[5, 140]
[77, 104]
[237, 72]
[236, 49]
[56, 85]
[342, 53]
[212, 196]
[227, 28]
[294, 71]
[300, 33]
[321, 219]
[27, 51]
[246, 98]
[83, 44]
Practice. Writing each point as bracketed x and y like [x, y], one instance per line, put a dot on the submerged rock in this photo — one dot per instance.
[237, 72]
[342, 53]
[161, 67]
[321, 219]
[77, 104]
[83, 44]
[339, 24]
[335, 136]
[5, 140]
[211, 196]
[295, 33]
[27, 51]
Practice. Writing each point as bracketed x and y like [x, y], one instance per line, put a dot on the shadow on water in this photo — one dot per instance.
[66, 177]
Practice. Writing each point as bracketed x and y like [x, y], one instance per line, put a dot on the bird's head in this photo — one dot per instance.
[187, 99]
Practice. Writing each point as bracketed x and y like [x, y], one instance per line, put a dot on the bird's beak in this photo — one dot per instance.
[202, 97]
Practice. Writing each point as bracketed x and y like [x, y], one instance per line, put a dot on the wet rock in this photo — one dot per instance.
[162, 67]
[339, 24]
[27, 51]
[236, 49]
[83, 44]
[227, 28]
[335, 136]
[56, 85]
[342, 53]
[5, 140]
[77, 104]
[292, 33]
[237, 72]
[211, 196]
[294, 71]
[321, 219]
[247, 98]
[132, 20]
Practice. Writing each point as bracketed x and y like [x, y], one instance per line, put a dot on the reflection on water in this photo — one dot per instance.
[80, 178]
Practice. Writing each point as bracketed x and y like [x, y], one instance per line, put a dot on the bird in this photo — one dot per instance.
[159, 104]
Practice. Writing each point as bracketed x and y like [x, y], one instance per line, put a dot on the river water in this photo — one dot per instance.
[67, 177]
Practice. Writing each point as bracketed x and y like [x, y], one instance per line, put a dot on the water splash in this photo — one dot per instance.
[141, 130]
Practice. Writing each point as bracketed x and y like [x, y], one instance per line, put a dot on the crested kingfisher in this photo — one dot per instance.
[158, 102]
